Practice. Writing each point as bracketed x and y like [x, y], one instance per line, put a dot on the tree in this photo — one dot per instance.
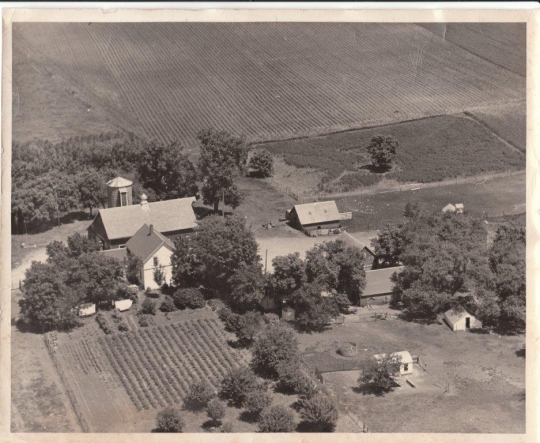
[188, 298]
[159, 273]
[257, 401]
[166, 171]
[247, 326]
[379, 372]
[167, 305]
[185, 268]
[169, 420]
[91, 186]
[412, 210]
[216, 411]
[320, 412]
[199, 395]
[293, 380]
[148, 307]
[247, 287]
[133, 269]
[237, 384]
[289, 274]
[389, 245]
[382, 150]
[274, 346]
[57, 252]
[221, 160]
[78, 245]
[276, 419]
[46, 301]
[220, 248]
[262, 163]
[314, 307]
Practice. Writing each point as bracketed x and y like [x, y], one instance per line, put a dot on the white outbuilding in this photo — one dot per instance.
[87, 309]
[406, 366]
[459, 319]
[123, 305]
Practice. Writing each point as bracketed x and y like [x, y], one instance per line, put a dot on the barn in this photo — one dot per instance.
[370, 259]
[317, 218]
[379, 286]
[113, 227]
[154, 250]
[459, 319]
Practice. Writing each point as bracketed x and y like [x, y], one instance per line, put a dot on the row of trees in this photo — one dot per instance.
[52, 179]
[448, 261]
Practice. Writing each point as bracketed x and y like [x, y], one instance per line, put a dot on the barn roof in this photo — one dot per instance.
[146, 242]
[317, 212]
[166, 216]
[118, 253]
[455, 314]
[378, 282]
[349, 240]
[119, 182]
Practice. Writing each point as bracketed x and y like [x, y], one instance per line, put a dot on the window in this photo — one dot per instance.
[123, 199]
[155, 261]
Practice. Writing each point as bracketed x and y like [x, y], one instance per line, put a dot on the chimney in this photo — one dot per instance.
[151, 231]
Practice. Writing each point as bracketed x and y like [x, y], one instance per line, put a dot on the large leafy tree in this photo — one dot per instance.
[92, 189]
[166, 171]
[247, 287]
[389, 245]
[382, 149]
[289, 274]
[261, 163]
[220, 247]
[314, 307]
[320, 412]
[379, 373]
[222, 159]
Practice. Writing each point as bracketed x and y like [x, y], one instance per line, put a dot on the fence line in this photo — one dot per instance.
[50, 343]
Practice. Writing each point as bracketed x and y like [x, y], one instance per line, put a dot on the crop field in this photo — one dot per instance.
[501, 44]
[114, 378]
[266, 80]
[430, 150]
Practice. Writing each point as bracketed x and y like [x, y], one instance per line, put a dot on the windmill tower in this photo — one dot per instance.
[119, 192]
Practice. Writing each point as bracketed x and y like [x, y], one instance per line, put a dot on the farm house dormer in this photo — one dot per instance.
[119, 192]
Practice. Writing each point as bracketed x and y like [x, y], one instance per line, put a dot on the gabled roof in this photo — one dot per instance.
[378, 282]
[349, 240]
[453, 315]
[146, 242]
[119, 182]
[166, 216]
[317, 212]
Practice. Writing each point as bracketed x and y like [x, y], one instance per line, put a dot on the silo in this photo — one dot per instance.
[119, 192]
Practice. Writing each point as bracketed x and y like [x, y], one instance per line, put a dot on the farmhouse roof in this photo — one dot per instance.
[317, 212]
[118, 253]
[455, 314]
[378, 282]
[405, 356]
[146, 242]
[166, 216]
[123, 305]
[119, 182]
[349, 240]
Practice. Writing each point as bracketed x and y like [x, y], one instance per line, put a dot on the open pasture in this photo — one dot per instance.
[484, 374]
[266, 80]
[115, 378]
[430, 150]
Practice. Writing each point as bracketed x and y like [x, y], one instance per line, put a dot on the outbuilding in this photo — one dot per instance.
[379, 286]
[87, 309]
[123, 305]
[406, 366]
[449, 208]
[459, 319]
[317, 218]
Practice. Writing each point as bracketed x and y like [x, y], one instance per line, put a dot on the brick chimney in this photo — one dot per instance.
[151, 231]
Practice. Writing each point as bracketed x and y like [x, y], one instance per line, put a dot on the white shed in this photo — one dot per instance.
[123, 305]
[459, 319]
[87, 309]
[406, 366]
[449, 208]
[460, 208]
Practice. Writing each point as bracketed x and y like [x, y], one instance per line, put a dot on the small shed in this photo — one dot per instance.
[406, 366]
[459, 319]
[449, 208]
[123, 305]
[460, 208]
[287, 313]
[87, 309]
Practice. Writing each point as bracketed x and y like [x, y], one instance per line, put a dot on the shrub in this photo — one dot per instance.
[189, 298]
[148, 307]
[320, 411]
[256, 401]
[199, 395]
[143, 321]
[276, 419]
[215, 410]
[125, 292]
[151, 293]
[123, 326]
[293, 380]
[248, 326]
[237, 384]
[103, 323]
[169, 420]
[227, 427]
[168, 304]
[262, 163]
[271, 319]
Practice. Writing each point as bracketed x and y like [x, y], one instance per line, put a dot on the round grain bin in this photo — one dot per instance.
[119, 192]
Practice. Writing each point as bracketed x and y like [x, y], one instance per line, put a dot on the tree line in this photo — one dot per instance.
[49, 180]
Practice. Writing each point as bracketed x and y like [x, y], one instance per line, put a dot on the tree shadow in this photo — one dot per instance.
[520, 353]
[71, 217]
[306, 426]
[374, 169]
[248, 417]
[407, 316]
[370, 389]
[479, 331]
[210, 425]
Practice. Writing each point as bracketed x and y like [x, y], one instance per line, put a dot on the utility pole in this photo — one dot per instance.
[266, 261]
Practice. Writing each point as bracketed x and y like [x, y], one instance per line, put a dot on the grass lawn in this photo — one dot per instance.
[485, 374]
[430, 150]
[496, 196]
